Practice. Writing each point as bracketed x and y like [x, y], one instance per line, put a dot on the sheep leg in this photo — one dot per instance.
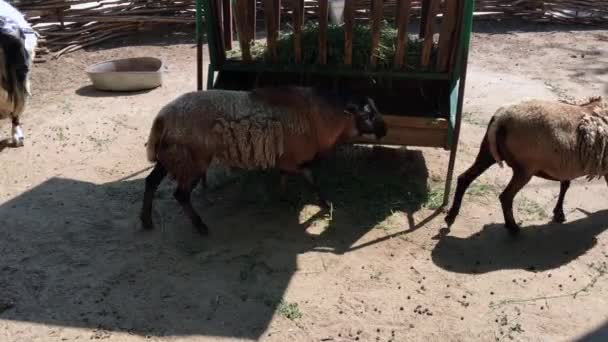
[17, 132]
[558, 211]
[182, 195]
[202, 181]
[518, 181]
[482, 162]
[283, 183]
[307, 173]
[152, 182]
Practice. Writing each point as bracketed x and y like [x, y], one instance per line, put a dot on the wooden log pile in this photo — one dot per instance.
[570, 11]
[69, 25]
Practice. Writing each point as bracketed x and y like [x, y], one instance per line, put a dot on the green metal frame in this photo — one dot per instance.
[457, 93]
[457, 77]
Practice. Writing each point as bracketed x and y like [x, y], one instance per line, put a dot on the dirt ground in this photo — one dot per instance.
[75, 264]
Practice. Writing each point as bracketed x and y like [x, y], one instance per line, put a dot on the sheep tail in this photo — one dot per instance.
[492, 132]
[154, 139]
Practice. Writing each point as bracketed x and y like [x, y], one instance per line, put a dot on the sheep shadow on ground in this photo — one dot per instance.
[598, 334]
[365, 186]
[74, 253]
[7, 143]
[536, 248]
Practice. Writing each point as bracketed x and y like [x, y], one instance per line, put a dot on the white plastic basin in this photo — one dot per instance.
[130, 74]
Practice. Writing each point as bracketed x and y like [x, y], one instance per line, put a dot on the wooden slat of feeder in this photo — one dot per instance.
[427, 45]
[424, 14]
[251, 17]
[241, 10]
[458, 26]
[446, 37]
[403, 15]
[219, 9]
[410, 131]
[376, 20]
[272, 29]
[349, 20]
[298, 20]
[219, 45]
[277, 12]
[323, 18]
[227, 18]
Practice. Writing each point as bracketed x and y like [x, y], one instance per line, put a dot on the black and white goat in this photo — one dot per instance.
[17, 48]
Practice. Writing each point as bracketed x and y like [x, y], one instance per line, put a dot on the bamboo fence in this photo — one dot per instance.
[70, 25]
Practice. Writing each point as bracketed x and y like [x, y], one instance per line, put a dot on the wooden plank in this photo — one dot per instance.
[241, 8]
[227, 21]
[447, 34]
[427, 45]
[349, 22]
[410, 131]
[272, 30]
[377, 6]
[298, 21]
[403, 16]
[323, 20]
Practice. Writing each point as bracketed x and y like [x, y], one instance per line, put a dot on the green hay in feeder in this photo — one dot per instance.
[362, 38]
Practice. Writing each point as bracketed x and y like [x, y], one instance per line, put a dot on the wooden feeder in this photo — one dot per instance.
[418, 84]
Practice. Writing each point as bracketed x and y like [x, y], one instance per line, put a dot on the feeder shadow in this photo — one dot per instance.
[535, 248]
[91, 91]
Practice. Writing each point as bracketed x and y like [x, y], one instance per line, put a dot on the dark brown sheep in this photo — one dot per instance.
[283, 128]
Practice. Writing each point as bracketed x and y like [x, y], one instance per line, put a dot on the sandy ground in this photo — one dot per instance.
[76, 266]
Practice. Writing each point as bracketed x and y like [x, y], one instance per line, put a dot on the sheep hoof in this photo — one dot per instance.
[18, 136]
[18, 142]
[559, 218]
[203, 230]
[147, 224]
[449, 219]
[513, 228]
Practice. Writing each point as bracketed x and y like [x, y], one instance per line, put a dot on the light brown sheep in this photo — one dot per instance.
[283, 128]
[552, 140]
